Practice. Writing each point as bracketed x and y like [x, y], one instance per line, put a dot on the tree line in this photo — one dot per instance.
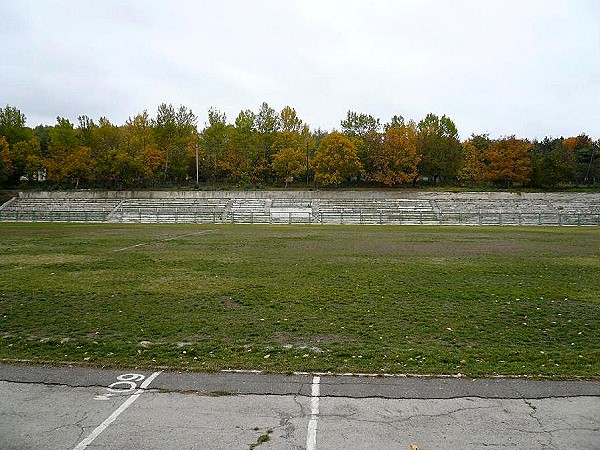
[270, 148]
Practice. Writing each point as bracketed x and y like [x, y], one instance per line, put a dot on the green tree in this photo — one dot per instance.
[105, 142]
[268, 123]
[176, 135]
[117, 169]
[365, 132]
[359, 125]
[244, 141]
[336, 160]
[439, 147]
[395, 121]
[215, 139]
[42, 133]
[87, 130]
[587, 168]
[27, 160]
[12, 125]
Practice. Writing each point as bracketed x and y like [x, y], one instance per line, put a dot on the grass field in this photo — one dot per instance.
[419, 300]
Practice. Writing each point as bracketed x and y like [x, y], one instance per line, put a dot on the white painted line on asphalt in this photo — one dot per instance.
[126, 404]
[311, 438]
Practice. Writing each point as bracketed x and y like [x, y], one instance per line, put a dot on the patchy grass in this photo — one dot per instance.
[261, 439]
[481, 301]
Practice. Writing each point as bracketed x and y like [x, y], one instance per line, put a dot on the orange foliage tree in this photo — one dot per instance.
[397, 159]
[5, 162]
[508, 161]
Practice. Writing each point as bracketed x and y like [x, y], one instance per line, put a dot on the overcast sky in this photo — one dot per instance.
[530, 68]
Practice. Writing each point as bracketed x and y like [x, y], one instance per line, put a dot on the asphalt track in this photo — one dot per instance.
[81, 408]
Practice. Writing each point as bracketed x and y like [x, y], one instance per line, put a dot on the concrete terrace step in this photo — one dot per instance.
[414, 208]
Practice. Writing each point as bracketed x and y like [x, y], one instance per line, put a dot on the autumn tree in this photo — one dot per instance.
[508, 161]
[397, 160]
[6, 166]
[336, 160]
[233, 164]
[472, 169]
[290, 121]
[289, 163]
[439, 147]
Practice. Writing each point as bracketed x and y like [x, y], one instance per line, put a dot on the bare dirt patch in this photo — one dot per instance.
[43, 260]
[230, 302]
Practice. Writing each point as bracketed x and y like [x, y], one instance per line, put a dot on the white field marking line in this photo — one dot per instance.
[126, 404]
[311, 438]
[162, 240]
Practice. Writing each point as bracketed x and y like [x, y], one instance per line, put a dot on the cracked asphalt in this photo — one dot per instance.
[60, 408]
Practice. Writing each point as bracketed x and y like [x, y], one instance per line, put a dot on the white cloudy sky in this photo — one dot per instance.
[525, 67]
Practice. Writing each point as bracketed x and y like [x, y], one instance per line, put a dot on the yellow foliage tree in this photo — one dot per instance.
[336, 160]
[289, 163]
[473, 166]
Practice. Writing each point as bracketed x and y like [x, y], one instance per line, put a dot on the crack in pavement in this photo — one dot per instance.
[544, 432]
[413, 416]
[55, 383]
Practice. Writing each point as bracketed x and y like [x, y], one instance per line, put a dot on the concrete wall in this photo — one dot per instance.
[316, 194]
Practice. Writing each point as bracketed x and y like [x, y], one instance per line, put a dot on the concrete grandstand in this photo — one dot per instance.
[306, 207]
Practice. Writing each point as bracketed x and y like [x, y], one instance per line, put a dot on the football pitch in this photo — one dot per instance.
[476, 301]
